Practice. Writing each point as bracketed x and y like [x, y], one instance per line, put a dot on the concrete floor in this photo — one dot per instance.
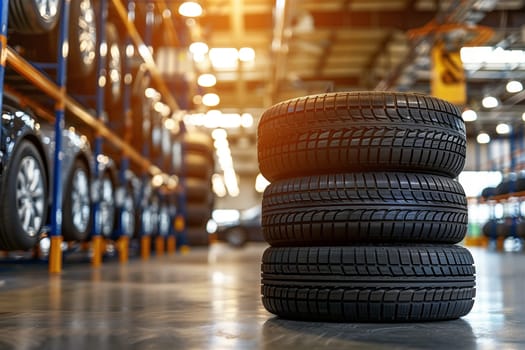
[211, 300]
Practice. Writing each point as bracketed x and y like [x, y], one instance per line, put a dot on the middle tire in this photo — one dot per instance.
[364, 207]
[361, 131]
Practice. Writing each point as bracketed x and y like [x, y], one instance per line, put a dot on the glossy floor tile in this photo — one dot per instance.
[211, 300]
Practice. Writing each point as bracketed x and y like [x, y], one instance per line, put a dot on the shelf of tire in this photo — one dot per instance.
[363, 213]
[57, 92]
[499, 229]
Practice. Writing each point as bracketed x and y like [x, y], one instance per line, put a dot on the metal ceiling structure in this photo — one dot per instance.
[307, 47]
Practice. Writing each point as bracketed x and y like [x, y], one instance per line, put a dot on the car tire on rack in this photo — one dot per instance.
[364, 207]
[197, 166]
[128, 212]
[23, 205]
[361, 131]
[82, 39]
[197, 214]
[76, 225]
[368, 283]
[107, 206]
[33, 16]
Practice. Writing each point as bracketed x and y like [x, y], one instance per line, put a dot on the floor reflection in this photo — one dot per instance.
[211, 300]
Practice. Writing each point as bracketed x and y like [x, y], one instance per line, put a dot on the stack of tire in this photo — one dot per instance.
[363, 212]
[198, 170]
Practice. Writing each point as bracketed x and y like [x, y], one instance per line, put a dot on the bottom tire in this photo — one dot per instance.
[381, 283]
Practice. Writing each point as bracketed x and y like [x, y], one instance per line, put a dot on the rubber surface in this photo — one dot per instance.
[361, 131]
[368, 283]
[364, 207]
[13, 236]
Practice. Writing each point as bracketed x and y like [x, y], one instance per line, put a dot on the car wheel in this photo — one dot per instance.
[127, 213]
[34, 16]
[77, 204]
[107, 205]
[24, 199]
[236, 237]
[114, 67]
[82, 39]
[164, 220]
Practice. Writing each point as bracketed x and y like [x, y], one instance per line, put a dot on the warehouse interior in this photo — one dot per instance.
[141, 225]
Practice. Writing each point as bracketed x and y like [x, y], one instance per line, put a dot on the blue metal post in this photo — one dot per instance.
[100, 103]
[181, 202]
[4, 9]
[55, 263]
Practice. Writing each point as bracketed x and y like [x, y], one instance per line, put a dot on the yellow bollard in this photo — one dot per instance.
[145, 247]
[171, 244]
[123, 249]
[55, 255]
[97, 246]
[159, 245]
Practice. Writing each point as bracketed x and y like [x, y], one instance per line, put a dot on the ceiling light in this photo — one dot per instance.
[503, 128]
[224, 57]
[207, 80]
[523, 116]
[490, 102]
[190, 9]
[246, 54]
[246, 120]
[211, 99]
[198, 47]
[483, 137]
[219, 134]
[469, 115]
[514, 86]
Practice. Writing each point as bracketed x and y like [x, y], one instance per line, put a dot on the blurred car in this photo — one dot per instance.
[247, 228]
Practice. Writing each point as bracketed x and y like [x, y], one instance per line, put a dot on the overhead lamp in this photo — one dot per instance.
[514, 86]
[469, 115]
[206, 80]
[246, 120]
[523, 116]
[246, 54]
[219, 134]
[502, 128]
[190, 9]
[198, 48]
[483, 138]
[211, 99]
[489, 102]
[224, 57]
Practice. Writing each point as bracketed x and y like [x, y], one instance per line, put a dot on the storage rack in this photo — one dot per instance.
[56, 90]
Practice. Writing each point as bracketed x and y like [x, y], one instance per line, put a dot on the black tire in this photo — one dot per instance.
[364, 207]
[198, 190]
[82, 52]
[114, 78]
[77, 215]
[488, 192]
[128, 215]
[197, 142]
[107, 205]
[198, 166]
[23, 199]
[368, 283]
[26, 17]
[361, 131]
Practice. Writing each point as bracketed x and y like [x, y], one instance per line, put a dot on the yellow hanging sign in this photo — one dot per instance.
[448, 76]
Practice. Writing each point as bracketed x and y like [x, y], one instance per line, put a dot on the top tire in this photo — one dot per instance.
[361, 131]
